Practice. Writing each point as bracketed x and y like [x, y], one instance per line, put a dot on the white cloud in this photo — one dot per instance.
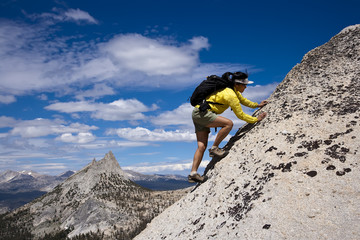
[97, 91]
[3, 135]
[79, 15]
[76, 143]
[135, 52]
[157, 135]
[32, 59]
[97, 69]
[111, 144]
[80, 138]
[41, 167]
[145, 154]
[7, 121]
[178, 116]
[130, 109]
[258, 93]
[43, 127]
[164, 167]
[61, 15]
[28, 61]
[199, 43]
[43, 97]
[72, 107]
[127, 143]
[7, 99]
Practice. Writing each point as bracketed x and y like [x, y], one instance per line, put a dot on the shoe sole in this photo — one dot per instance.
[215, 155]
[197, 181]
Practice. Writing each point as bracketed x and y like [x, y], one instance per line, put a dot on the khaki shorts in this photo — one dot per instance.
[202, 119]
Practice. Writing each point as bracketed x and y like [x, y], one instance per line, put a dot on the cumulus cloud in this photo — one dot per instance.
[97, 69]
[7, 99]
[72, 107]
[98, 90]
[198, 43]
[7, 121]
[79, 138]
[129, 109]
[178, 116]
[157, 135]
[258, 93]
[135, 52]
[123, 110]
[43, 127]
[34, 58]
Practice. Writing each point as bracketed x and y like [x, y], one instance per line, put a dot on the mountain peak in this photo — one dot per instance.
[66, 174]
[99, 197]
[8, 175]
[30, 173]
[110, 160]
[296, 174]
[92, 173]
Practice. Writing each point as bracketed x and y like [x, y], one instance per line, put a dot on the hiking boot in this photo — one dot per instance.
[196, 178]
[216, 151]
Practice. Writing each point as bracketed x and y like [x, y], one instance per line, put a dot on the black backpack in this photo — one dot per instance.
[210, 85]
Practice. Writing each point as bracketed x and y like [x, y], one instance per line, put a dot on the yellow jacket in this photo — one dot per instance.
[231, 98]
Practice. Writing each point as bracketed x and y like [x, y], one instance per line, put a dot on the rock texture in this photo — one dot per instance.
[294, 175]
[98, 199]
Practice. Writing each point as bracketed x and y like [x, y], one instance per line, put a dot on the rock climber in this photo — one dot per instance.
[203, 121]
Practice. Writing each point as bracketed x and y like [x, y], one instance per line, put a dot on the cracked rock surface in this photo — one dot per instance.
[294, 175]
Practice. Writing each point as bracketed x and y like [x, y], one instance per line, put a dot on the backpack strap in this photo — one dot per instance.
[205, 105]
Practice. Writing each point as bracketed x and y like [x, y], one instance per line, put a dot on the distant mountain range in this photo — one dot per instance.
[14, 182]
[19, 188]
[159, 182]
[98, 202]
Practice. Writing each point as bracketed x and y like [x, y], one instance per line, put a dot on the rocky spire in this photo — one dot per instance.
[98, 198]
[294, 175]
[87, 178]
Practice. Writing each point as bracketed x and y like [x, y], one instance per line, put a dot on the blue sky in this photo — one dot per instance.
[81, 78]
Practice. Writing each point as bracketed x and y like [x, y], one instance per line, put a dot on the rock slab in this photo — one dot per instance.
[294, 175]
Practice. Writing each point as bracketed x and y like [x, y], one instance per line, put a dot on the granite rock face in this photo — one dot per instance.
[294, 175]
